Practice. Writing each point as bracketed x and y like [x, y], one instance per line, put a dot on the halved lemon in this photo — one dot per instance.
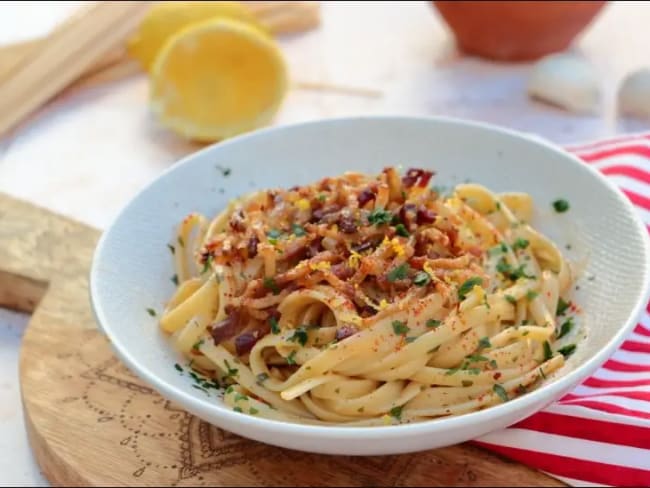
[217, 79]
[165, 19]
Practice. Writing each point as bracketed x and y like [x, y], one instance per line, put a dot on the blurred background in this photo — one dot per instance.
[98, 120]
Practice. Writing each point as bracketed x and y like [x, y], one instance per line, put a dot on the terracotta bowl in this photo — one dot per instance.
[516, 31]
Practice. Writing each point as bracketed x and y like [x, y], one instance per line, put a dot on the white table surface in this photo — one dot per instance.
[88, 154]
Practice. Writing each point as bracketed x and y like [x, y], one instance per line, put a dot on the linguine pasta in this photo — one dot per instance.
[368, 300]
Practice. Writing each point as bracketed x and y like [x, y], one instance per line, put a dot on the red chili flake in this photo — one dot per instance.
[496, 375]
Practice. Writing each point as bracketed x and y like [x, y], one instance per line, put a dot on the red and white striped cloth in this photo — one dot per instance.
[599, 434]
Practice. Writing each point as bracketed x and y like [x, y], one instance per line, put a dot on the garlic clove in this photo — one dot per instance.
[567, 81]
[634, 94]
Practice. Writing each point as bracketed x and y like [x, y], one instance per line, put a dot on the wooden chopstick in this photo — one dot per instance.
[66, 55]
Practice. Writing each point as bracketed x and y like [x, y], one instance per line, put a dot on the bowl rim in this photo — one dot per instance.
[195, 403]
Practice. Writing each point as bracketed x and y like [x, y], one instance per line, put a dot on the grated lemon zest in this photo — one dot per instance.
[303, 204]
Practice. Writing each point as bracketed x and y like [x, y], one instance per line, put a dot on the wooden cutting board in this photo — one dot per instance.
[91, 422]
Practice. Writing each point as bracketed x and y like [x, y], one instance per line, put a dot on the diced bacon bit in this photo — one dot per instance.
[425, 216]
[345, 332]
[342, 271]
[252, 247]
[347, 224]
[227, 328]
[237, 221]
[408, 215]
[245, 342]
[415, 176]
[365, 196]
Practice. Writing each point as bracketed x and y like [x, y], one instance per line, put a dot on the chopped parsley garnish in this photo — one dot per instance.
[422, 278]
[501, 392]
[567, 350]
[493, 364]
[548, 354]
[398, 273]
[400, 230]
[511, 299]
[541, 373]
[230, 389]
[565, 328]
[253, 411]
[151, 312]
[175, 279]
[273, 235]
[208, 263]
[232, 372]
[467, 383]
[504, 247]
[197, 345]
[432, 323]
[400, 328]
[178, 367]
[484, 343]
[322, 197]
[562, 307]
[270, 284]
[261, 378]
[239, 396]
[396, 412]
[172, 249]
[466, 287]
[510, 273]
[181, 242]
[498, 205]
[237, 409]
[224, 171]
[300, 336]
[291, 358]
[201, 388]
[531, 295]
[503, 266]
[275, 328]
[298, 230]
[379, 216]
[520, 243]
[475, 358]
[561, 205]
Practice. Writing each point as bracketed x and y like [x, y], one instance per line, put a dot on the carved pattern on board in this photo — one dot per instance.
[162, 437]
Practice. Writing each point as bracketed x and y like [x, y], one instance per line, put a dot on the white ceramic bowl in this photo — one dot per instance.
[132, 265]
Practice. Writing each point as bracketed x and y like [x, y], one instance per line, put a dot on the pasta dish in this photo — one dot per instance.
[369, 300]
